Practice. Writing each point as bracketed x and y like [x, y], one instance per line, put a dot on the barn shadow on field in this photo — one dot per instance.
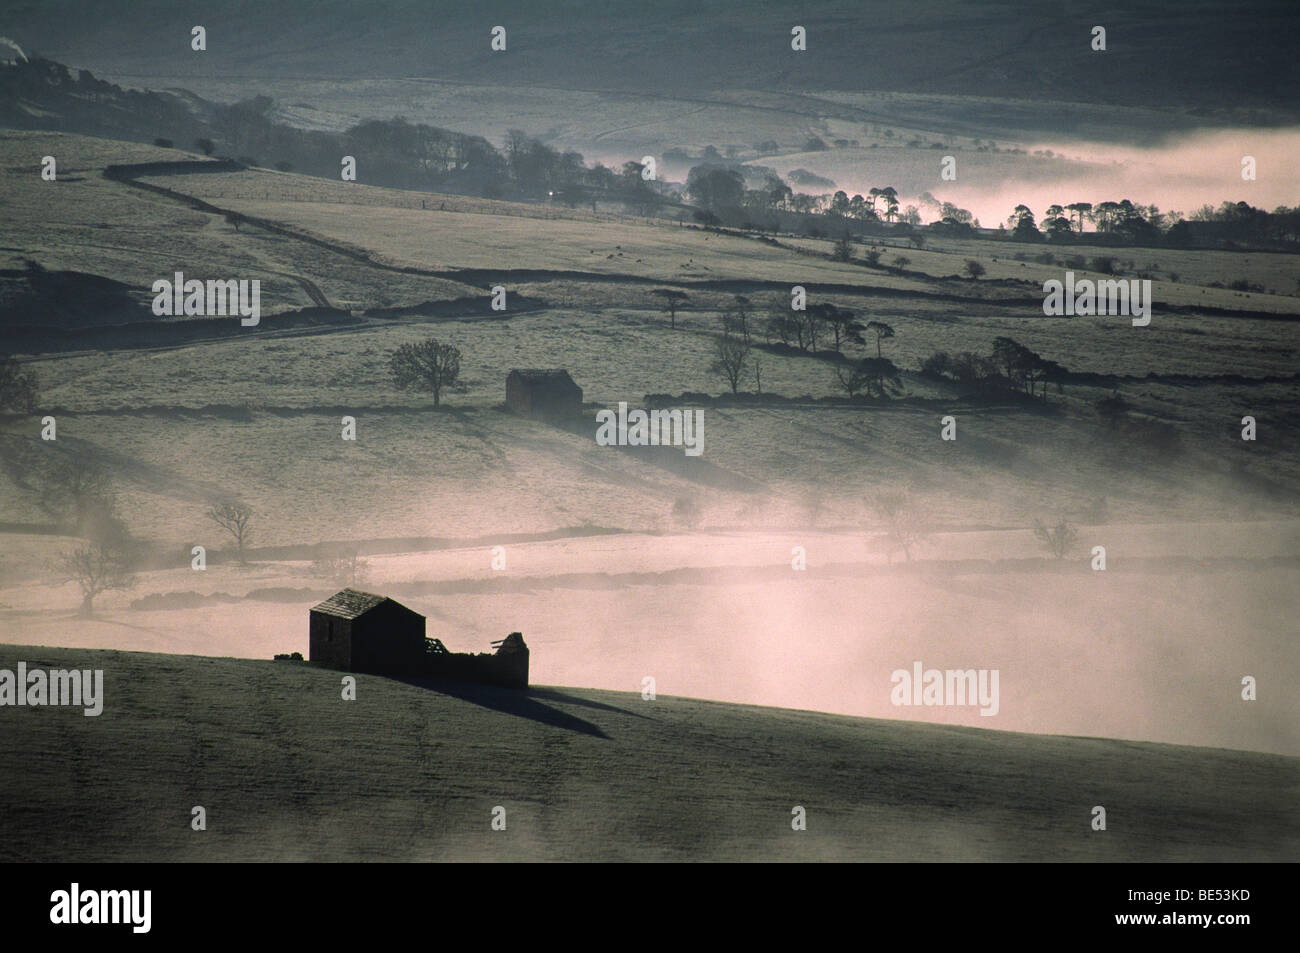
[559, 696]
[523, 703]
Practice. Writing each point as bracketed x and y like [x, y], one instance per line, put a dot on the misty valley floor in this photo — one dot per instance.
[287, 770]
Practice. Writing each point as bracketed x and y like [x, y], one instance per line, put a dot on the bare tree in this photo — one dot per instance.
[72, 484]
[742, 310]
[814, 321]
[786, 326]
[1058, 539]
[850, 379]
[96, 567]
[901, 516]
[731, 355]
[426, 366]
[881, 330]
[234, 519]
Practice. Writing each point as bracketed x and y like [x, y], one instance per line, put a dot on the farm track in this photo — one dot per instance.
[317, 296]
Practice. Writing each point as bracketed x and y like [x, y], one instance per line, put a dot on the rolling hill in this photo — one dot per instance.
[286, 770]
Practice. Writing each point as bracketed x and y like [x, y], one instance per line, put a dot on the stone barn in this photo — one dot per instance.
[546, 394]
[362, 632]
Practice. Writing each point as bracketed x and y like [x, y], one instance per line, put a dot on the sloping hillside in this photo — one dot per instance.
[1019, 48]
[286, 770]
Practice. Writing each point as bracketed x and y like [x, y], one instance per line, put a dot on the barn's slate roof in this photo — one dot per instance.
[550, 377]
[349, 604]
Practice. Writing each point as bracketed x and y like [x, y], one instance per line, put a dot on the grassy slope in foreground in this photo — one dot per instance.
[289, 771]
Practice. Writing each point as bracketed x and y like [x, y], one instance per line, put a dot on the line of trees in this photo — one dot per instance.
[1130, 223]
[822, 323]
[723, 189]
[1010, 367]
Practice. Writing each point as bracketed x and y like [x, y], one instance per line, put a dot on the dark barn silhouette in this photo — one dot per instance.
[546, 394]
[362, 632]
[357, 631]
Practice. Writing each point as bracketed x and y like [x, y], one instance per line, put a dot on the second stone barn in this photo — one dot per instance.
[355, 631]
[548, 394]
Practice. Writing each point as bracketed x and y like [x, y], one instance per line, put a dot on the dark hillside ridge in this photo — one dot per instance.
[1200, 55]
[287, 770]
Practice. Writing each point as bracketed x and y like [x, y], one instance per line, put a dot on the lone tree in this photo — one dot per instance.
[80, 492]
[974, 269]
[843, 247]
[206, 146]
[426, 366]
[19, 388]
[235, 219]
[731, 354]
[96, 567]
[881, 330]
[234, 519]
[901, 518]
[672, 299]
[851, 379]
[1058, 539]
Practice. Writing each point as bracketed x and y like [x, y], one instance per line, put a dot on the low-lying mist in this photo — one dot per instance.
[1183, 174]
